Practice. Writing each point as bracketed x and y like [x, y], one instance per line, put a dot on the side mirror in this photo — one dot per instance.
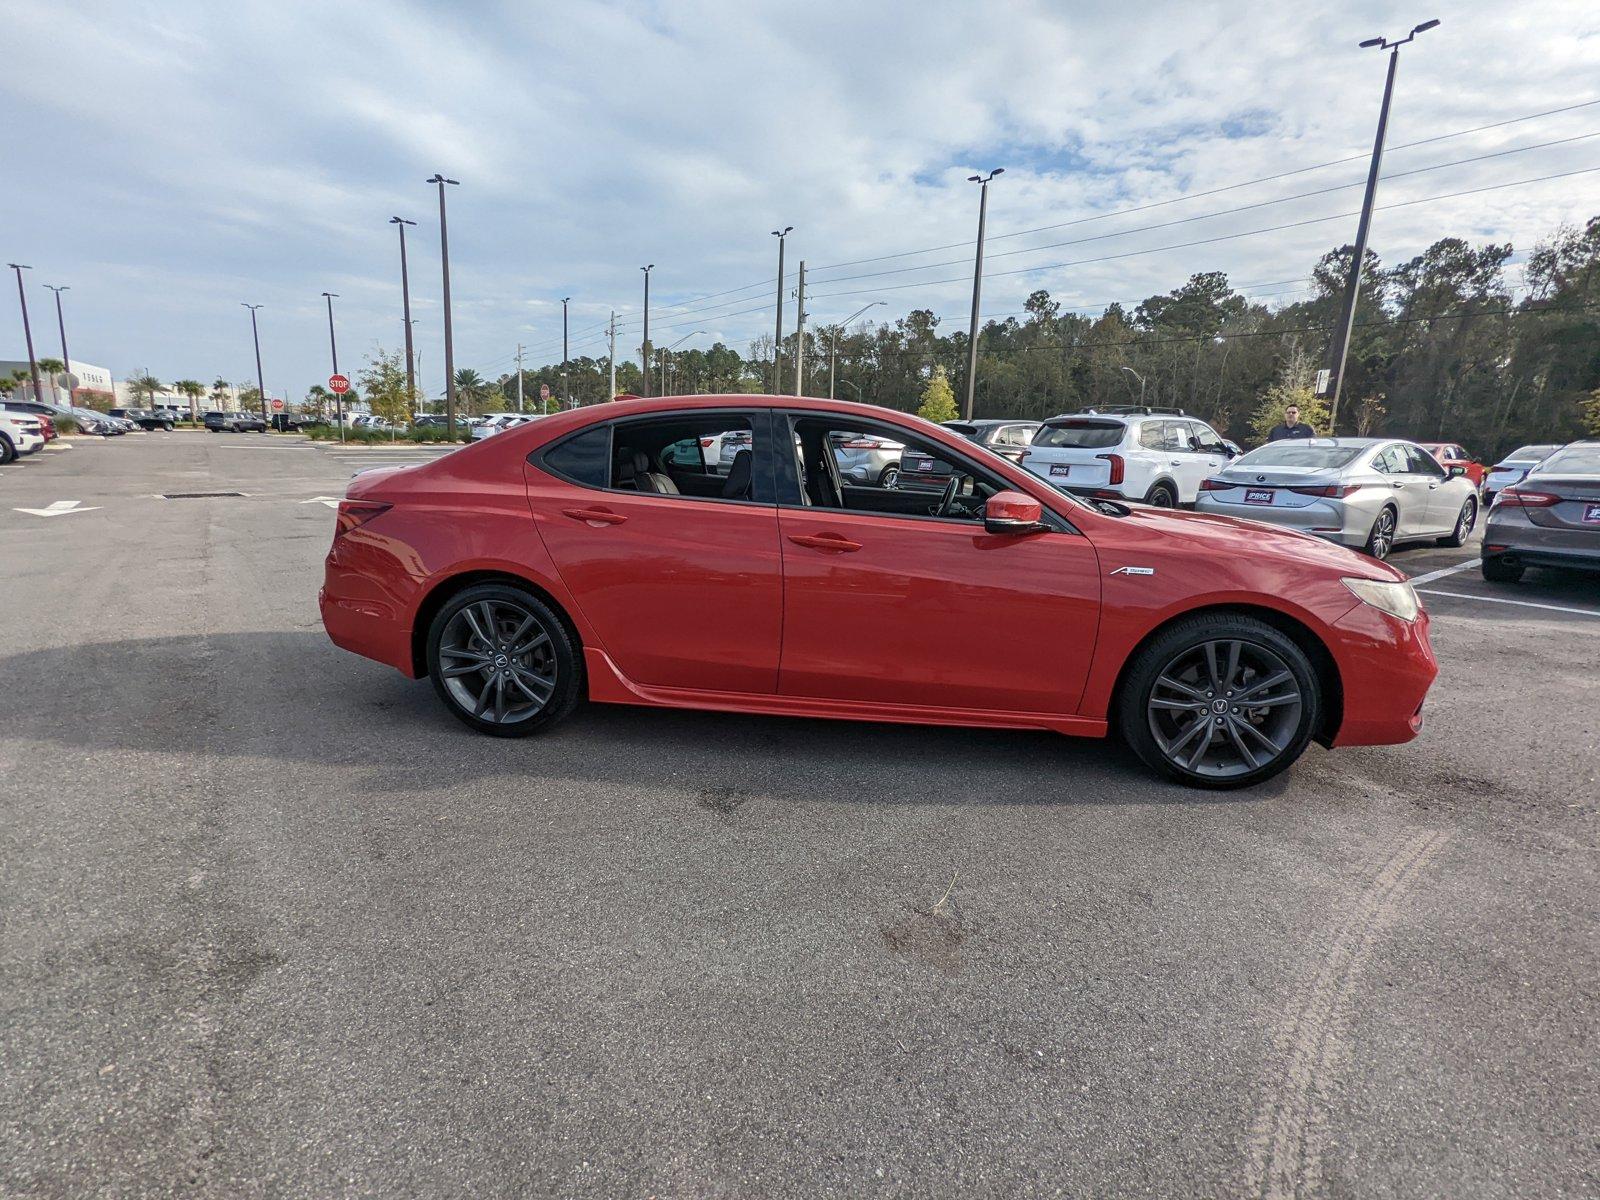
[1012, 513]
[1456, 472]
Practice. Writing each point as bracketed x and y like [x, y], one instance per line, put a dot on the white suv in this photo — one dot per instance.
[20, 433]
[1151, 455]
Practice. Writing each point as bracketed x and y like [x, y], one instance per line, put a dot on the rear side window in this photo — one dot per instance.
[583, 458]
[1075, 434]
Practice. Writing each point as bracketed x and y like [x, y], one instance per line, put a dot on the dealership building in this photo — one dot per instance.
[65, 387]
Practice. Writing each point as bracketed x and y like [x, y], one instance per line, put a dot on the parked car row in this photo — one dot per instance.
[87, 419]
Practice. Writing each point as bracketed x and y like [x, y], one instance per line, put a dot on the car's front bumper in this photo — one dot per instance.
[1386, 667]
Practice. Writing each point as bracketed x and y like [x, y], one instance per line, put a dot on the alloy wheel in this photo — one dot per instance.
[1224, 708]
[497, 662]
[1382, 539]
[1465, 522]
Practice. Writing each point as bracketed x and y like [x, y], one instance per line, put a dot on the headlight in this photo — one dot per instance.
[1396, 599]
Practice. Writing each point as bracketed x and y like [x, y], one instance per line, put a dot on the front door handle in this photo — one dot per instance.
[595, 516]
[1177, 462]
[825, 541]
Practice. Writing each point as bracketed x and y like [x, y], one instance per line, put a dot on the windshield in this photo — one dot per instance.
[1531, 453]
[1078, 435]
[1299, 454]
[1574, 460]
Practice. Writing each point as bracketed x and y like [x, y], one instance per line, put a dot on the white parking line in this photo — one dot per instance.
[1582, 612]
[1432, 575]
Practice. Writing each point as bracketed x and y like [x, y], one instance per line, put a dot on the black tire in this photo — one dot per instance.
[1498, 570]
[890, 476]
[1464, 524]
[1380, 540]
[1162, 496]
[551, 660]
[168, 427]
[8, 452]
[1170, 681]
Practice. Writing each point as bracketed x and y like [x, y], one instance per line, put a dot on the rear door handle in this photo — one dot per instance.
[595, 516]
[825, 541]
[1398, 485]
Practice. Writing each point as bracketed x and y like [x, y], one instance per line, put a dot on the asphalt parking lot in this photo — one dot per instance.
[276, 925]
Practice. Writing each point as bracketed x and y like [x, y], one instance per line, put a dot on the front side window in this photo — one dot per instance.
[1210, 442]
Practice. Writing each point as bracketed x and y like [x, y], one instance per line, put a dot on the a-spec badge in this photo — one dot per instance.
[1134, 571]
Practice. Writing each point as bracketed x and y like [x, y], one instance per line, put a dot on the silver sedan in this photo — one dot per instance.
[1367, 493]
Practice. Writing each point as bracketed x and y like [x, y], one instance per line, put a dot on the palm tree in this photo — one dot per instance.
[193, 389]
[472, 389]
[219, 392]
[146, 385]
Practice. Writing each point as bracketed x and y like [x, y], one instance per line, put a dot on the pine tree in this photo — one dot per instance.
[938, 401]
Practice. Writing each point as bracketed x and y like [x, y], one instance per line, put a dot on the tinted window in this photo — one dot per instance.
[1299, 453]
[1574, 460]
[584, 458]
[1422, 463]
[1074, 434]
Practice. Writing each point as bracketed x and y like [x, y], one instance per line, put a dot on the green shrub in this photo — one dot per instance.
[65, 425]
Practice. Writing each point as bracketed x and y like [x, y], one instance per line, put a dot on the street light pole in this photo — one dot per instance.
[27, 332]
[61, 325]
[800, 333]
[833, 342]
[1340, 348]
[405, 300]
[644, 346]
[261, 385]
[333, 350]
[449, 345]
[977, 285]
[566, 388]
[777, 344]
[1140, 378]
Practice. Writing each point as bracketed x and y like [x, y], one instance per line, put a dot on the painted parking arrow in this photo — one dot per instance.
[330, 501]
[60, 508]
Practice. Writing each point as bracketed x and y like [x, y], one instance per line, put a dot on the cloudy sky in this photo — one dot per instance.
[170, 161]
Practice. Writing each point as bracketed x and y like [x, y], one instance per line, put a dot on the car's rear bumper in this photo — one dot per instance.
[1386, 667]
[362, 617]
[1329, 520]
[1512, 537]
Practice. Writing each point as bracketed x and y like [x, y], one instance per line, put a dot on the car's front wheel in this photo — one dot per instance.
[502, 661]
[1220, 701]
[8, 452]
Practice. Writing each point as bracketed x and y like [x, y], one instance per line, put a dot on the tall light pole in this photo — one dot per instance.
[644, 346]
[566, 387]
[333, 350]
[977, 286]
[27, 331]
[777, 343]
[1140, 378]
[261, 384]
[1340, 348]
[61, 325]
[449, 345]
[405, 300]
[833, 342]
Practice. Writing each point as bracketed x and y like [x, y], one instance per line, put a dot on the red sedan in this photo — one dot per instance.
[1452, 454]
[596, 553]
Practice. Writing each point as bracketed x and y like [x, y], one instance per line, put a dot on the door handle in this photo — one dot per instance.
[595, 516]
[1398, 485]
[825, 541]
[1177, 462]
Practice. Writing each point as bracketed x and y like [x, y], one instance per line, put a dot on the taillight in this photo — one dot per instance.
[355, 513]
[859, 444]
[1116, 466]
[1517, 498]
[1334, 491]
[1216, 485]
[705, 443]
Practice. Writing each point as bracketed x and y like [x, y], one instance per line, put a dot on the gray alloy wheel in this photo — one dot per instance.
[1161, 497]
[1381, 540]
[1464, 524]
[1220, 701]
[890, 477]
[502, 661]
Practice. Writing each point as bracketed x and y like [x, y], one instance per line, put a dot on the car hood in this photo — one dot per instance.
[1235, 538]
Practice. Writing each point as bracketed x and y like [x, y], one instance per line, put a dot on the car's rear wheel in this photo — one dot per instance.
[1498, 570]
[1381, 540]
[1220, 701]
[1162, 496]
[890, 476]
[1464, 524]
[8, 452]
[502, 661]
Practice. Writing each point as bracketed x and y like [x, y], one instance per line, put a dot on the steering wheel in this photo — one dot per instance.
[942, 509]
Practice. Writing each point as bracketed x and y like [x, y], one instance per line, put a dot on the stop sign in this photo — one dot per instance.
[339, 384]
[277, 406]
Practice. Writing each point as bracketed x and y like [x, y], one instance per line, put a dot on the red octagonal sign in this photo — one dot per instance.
[339, 384]
[277, 406]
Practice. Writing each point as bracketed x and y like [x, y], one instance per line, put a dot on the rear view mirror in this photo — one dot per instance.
[1012, 513]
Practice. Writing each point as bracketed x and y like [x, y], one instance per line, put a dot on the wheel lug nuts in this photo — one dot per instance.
[1236, 710]
[1219, 720]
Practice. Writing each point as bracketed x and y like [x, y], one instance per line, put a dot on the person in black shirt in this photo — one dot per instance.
[1291, 427]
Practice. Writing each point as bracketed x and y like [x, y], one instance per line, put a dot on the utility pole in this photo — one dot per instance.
[977, 287]
[644, 346]
[27, 332]
[611, 359]
[449, 346]
[800, 333]
[405, 295]
[333, 351]
[566, 387]
[61, 324]
[1340, 348]
[261, 385]
[519, 376]
[833, 342]
[777, 341]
